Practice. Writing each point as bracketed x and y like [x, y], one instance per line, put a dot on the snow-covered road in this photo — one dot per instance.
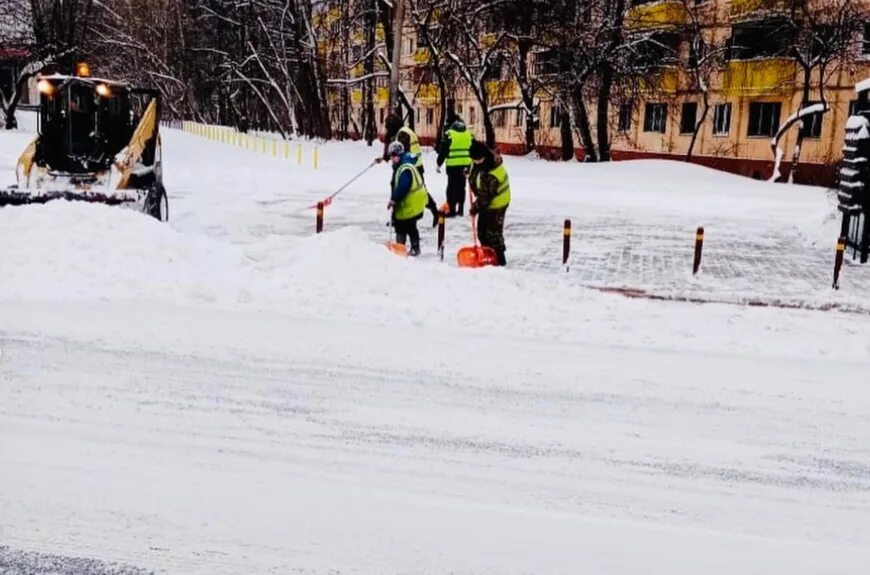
[429, 454]
[228, 394]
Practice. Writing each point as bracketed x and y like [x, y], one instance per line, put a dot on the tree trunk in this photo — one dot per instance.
[567, 135]
[603, 119]
[398, 24]
[527, 95]
[805, 101]
[581, 117]
[370, 127]
[705, 102]
[444, 106]
[20, 86]
[489, 129]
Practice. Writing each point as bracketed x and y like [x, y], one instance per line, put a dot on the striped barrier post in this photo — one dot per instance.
[699, 249]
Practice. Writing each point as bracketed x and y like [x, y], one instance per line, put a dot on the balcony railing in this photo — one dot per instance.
[743, 9]
[428, 93]
[758, 77]
[421, 55]
[664, 14]
[502, 91]
[666, 79]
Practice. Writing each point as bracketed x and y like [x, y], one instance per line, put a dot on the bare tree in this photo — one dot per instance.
[51, 33]
[706, 59]
[436, 28]
[477, 53]
[825, 34]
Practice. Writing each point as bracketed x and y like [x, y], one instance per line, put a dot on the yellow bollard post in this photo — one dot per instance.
[286, 150]
[316, 156]
[274, 148]
[299, 154]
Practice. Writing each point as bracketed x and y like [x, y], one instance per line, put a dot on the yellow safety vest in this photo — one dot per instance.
[414, 204]
[460, 143]
[503, 196]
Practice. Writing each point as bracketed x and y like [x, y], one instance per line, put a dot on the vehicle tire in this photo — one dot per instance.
[157, 203]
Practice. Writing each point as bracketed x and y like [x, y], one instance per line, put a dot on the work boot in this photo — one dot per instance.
[461, 211]
[501, 259]
[401, 238]
[414, 251]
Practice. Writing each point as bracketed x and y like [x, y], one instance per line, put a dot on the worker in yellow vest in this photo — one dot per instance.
[454, 152]
[395, 129]
[492, 196]
[408, 197]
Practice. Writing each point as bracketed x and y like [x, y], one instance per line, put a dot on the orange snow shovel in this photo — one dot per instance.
[475, 256]
[395, 247]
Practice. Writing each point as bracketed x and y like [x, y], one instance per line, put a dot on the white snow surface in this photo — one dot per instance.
[230, 393]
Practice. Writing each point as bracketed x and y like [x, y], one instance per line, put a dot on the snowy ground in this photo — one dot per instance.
[231, 394]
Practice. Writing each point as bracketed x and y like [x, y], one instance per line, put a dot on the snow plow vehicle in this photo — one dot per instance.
[98, 141]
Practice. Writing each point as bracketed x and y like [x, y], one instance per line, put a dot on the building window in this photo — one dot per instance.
[381, 113]
[518, 118]
[547, 63]
[721, 119]
[655, 117]
[498, 118]
[555, 116]
[689, 118]
[812, 124]
[865, 44]
[761, 39]
[763, 118]
[494, 71]
[430, 116]
[624, 119]
[472, 115]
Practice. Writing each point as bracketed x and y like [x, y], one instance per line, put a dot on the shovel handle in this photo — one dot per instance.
[473, 219]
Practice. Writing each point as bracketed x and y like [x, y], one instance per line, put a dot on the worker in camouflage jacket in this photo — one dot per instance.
[492, 196]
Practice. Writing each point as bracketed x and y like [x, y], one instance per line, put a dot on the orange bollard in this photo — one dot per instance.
[319, 226]
[441, 232]
[566, 242]
[838, 261]
[699, 248]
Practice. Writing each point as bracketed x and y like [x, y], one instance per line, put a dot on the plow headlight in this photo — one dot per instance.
[104, 91]
[83, 70]
[45, 87]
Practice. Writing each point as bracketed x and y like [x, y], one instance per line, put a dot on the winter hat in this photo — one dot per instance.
[396, 149]
[393, 122]
[478, 151]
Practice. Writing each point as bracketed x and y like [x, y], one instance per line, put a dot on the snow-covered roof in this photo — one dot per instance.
[86, 79]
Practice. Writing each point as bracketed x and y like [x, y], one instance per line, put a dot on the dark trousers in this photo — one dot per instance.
[490, 231]
[456, 189]
[430, 205]
[407, 229]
